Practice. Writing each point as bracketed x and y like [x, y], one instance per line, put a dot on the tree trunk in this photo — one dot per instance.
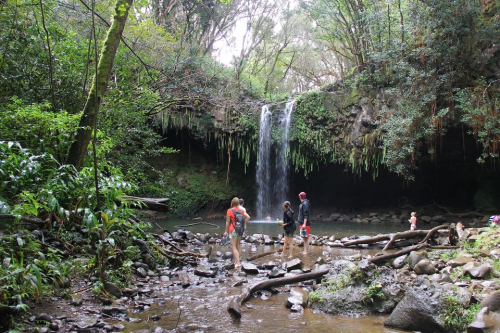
[78, 149]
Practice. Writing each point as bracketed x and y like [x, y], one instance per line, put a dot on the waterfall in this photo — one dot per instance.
[272, 178]
[282, 154]
[263, 174]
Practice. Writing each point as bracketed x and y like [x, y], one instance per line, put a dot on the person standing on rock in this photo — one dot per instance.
[413, 221]
[234, 237]
[304, 221]
[289, 226]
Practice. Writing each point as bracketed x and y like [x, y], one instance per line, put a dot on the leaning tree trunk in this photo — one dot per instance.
[78, 149]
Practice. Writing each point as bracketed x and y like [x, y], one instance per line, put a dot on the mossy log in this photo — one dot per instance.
[234, 306]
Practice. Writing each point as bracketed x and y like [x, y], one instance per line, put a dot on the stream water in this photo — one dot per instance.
[202, 306]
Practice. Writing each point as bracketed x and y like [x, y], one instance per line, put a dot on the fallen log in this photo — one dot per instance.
[166, 241]
[191, 224]
[385, 257]
[234, 306]
[160, 204]
[260, 255]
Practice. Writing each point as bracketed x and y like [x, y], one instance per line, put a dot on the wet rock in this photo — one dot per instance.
[229, 266]
[249, 268]
[415, 257]
[442, 278]
[320, 261]
[264, 294]
[205, 272]
[492, 301]
[297, 308]
[276, 273]
[184, 280]
[417, 311]
[118, 327]
[399, 262]
[44, 329]
[485, 322]
[141, 272]
[75, 300]
[424, 266]
[164, 278]
[459, 261]
[115, 311]
[112, 289]
[43, 317]
[227, 255]
[292, 264]
[297, 297]
[218, 254]
[155, 317]
[480, 272]
[86, 323]
[239, 282]
[365, 265]
[270, 265]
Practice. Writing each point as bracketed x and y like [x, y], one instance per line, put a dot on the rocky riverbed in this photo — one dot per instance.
[428, 290]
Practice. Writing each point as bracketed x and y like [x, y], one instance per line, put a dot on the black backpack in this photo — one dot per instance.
[239, 222]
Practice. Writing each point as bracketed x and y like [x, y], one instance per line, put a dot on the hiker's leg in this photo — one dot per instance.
[284, 247]
[234, 248]
[291, 247]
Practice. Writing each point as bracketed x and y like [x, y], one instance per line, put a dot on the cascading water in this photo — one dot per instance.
[263, 174]
[271, 178]
[282, 154]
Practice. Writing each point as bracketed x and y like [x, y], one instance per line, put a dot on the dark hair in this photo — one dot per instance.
[242, 201]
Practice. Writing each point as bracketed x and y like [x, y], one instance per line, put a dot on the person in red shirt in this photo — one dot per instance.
[234, 238]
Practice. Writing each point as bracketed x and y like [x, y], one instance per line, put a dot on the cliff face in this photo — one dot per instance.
[339, 144]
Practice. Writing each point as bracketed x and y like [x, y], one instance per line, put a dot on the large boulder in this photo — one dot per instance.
[415, 257]
[424, 266]
[418, 311]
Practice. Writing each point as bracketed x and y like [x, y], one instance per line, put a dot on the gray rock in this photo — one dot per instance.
[75, 300]
[115, 311]
[485, 322]
[249, 268]
[424, 266]
[480, 272]
[399, 262]
[227, 255]
[415, 257]
[492, 301]
[297, 308]
[293, 264]
[417, 311]
[459, 261]
[205, 272]
[276, 273]
[141, 272]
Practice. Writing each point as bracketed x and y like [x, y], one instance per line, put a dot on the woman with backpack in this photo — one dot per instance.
[289, 226]
[236, 224]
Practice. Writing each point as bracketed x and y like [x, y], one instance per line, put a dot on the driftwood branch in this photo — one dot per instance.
[166, 241]
[260, 255]
[385, 257]
[191, 224]
[234, 306]
[433, 230]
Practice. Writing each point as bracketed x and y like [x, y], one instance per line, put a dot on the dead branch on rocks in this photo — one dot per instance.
[260, 255]
[392, 238]
[385, 257]
[234, 306]
[191, 224]
[166, 241]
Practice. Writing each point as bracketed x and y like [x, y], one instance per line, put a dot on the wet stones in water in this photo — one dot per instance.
[270, 265]
[205, 272]
[115, 311]
[276, 273]
[264, 294]
[320, 261]
[184, 280]
[227, 255]
[249, 268]
[239, 282]
[297, 297]
[292, 264]
[141, 272]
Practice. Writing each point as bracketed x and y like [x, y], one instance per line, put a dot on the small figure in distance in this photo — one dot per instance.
[413, 221]
[268, 218]
[289, 226]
